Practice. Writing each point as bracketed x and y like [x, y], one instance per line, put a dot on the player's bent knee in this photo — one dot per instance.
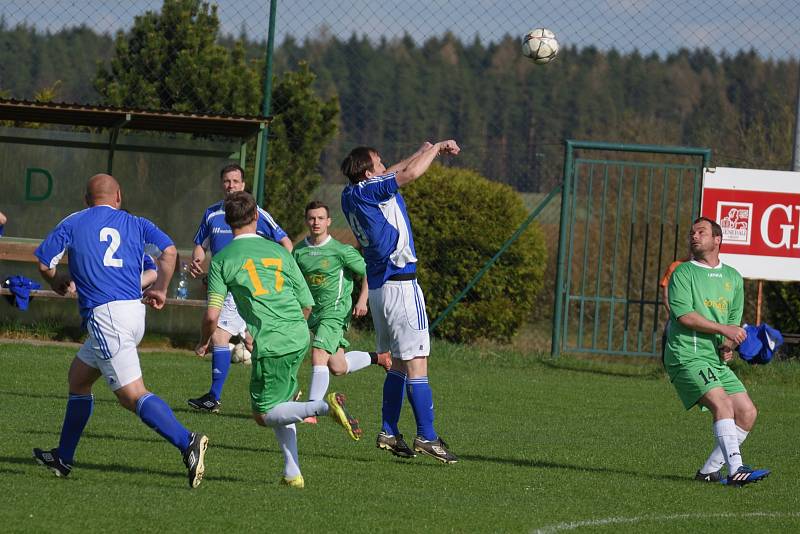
[129, 394]
[336, 368]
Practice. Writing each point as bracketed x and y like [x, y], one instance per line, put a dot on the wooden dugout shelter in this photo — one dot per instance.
[110, 121]
[114, 119]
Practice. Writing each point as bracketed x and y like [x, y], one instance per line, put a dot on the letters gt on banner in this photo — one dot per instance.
[759, 212]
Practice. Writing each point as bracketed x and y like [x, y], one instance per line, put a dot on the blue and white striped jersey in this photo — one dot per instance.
[106, 253]
[214, 233]
[377, 214]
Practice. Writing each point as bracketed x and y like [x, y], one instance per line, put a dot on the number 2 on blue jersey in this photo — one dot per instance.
[112, 234]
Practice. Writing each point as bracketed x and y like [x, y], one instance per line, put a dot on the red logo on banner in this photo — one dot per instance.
[756, 223]
[734, 218]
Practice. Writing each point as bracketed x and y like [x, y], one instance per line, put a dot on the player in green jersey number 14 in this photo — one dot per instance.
[706, 300]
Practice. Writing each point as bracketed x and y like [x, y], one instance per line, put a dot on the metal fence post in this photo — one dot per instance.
[263, 154]
[566, 190]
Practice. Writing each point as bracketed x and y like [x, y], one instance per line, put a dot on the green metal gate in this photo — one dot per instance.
[625, 213]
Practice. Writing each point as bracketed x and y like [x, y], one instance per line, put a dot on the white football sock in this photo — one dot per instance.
[357, 360]
[728, 440]
[287, 413]
[287, 439]
[717, 459]
[320, 378]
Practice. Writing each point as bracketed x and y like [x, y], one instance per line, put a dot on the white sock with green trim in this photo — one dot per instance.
[357, 360]
[728, 440]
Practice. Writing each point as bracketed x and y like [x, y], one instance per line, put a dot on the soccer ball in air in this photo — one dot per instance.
[240, 354]
[540, 46]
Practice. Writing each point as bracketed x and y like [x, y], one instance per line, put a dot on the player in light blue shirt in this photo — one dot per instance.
[106, 260]
[377, 214]
[213, 234]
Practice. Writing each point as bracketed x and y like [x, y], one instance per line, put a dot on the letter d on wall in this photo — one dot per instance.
[29, 172]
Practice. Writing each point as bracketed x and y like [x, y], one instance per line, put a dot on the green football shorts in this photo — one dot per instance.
[329, 333]
[694, 379]
[274, 380]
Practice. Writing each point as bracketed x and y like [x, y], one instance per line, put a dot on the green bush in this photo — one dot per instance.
[460, 220]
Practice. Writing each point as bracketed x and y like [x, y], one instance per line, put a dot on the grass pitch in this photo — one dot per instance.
[545, 446]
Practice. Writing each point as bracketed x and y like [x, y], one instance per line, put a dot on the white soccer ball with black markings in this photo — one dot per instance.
[240, 354]
[540, 46]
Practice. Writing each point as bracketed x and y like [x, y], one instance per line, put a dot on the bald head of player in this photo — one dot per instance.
[103, 189]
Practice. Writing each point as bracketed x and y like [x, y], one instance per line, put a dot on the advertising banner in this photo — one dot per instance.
[759, 212]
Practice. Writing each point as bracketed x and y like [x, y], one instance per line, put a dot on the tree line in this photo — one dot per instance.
[509, 114]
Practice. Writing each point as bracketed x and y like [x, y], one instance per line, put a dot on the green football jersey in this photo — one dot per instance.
[329, 269]
[269, 290]
[715, 293]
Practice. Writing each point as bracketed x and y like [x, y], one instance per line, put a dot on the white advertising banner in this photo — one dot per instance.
[759, 212]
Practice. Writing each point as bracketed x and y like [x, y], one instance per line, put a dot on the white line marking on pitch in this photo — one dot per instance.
[572, 525]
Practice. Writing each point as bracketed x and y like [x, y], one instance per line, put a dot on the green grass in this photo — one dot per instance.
[543, 445]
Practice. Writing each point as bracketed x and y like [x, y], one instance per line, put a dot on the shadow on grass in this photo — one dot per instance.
[135, 439]
[646, 372]
[544, 464]
[29, 395]
[117, 468]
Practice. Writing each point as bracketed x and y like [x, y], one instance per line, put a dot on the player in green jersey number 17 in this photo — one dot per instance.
[273, 299]
[329, 267]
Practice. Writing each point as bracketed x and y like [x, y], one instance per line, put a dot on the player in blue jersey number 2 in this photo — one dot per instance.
[376, 212]
[106, 247]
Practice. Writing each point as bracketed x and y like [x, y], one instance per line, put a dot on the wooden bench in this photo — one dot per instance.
[18, 249]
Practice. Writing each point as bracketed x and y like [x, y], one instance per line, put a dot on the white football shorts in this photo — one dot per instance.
[115, 330]
[229, 318]
[401, 323]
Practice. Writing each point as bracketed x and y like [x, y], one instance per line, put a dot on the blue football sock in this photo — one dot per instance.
[79, 409]
[421, 398]
[220, 364]
[393, 393]
[156, 414]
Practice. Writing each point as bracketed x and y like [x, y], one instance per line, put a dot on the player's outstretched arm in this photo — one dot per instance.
[405, 162]
[418, 165]
[60, 282]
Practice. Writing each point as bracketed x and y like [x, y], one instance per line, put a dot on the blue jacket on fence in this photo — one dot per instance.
[21, 288]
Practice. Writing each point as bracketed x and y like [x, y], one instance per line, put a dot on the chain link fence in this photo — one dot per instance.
[705, 73]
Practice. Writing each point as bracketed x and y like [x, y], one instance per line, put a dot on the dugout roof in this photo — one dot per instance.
[134, 119]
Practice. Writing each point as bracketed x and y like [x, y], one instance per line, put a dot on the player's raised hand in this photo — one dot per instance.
[449, 147]
[155, 298]
[196, 268]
